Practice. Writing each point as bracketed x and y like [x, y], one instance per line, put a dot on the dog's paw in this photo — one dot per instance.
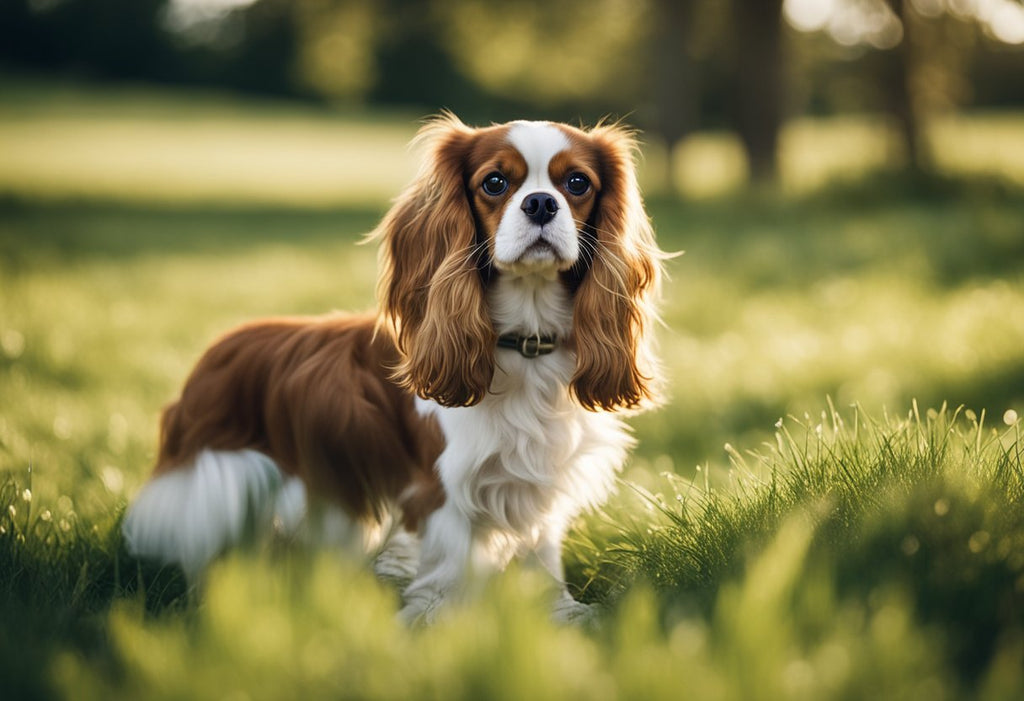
[416, 615]
[568, 611]
[399, 560]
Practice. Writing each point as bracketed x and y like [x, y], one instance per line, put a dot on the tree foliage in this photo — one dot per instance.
[671, 66]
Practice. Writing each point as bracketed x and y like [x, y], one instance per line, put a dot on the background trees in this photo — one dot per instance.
[671, 66]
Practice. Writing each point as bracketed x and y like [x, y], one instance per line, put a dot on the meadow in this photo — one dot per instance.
[829, 506]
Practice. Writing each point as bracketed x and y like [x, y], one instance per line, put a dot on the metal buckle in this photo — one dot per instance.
[530, 347]
[534, 346]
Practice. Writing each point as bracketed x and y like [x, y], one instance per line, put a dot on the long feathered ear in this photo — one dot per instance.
[430, 289]
[614, 307]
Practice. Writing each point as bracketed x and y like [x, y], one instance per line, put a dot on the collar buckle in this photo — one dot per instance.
[528, 346]
[533, 346]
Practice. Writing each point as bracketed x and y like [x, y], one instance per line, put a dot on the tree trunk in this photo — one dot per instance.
[759, 83]
[676, 89]
[900, 95]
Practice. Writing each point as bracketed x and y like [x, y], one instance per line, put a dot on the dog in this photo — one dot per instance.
[470, 419]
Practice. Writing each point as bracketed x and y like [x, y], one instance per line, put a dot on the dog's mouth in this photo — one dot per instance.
[539, 250]
[540, 247]
[544, 254]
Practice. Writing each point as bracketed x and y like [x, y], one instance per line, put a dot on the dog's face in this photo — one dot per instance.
[523, 198]
[533, 187]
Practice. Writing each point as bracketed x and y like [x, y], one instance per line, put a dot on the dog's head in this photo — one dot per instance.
[523, 198]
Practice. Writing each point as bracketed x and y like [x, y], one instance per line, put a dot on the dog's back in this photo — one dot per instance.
[273, 411]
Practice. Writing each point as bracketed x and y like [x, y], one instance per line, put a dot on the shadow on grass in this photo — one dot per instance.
[34, 233]
[942, 546]
[58, 580]
[961, 228]
[950, 230]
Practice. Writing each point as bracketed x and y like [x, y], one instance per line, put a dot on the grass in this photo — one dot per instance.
[873, 549]
[151, 146]
[859, 560]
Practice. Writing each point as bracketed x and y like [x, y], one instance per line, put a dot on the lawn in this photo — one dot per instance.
[811, 515]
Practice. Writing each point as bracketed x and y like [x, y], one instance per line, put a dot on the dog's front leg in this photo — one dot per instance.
[444, 561]
[549, 553]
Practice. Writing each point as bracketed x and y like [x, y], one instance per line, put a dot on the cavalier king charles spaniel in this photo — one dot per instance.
[474, 416]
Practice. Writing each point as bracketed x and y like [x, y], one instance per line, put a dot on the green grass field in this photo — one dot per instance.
[793, 524]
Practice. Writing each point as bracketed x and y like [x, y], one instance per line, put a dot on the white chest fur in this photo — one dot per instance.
[528, 458]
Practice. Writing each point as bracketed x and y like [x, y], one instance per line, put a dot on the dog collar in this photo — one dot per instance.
[528, 346]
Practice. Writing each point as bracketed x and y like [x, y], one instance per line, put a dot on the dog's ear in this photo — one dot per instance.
[430, 289]
[614, 306]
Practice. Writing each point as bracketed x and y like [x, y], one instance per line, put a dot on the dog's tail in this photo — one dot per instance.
[189, 515]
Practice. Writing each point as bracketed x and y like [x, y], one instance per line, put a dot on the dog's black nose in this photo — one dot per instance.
[540, 207]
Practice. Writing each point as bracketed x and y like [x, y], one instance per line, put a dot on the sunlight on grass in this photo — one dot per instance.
[876, 340]
[792, 610]
[758, 548]
[156, 146]
[103, 342]
[100, 324]
[311, 161]
[814, 153]
[708, 164]
[980, 145]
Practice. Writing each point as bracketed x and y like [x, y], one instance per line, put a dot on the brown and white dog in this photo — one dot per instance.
[471, 419]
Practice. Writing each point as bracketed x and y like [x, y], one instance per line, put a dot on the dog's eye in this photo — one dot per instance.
[577, 184]
[495, 184]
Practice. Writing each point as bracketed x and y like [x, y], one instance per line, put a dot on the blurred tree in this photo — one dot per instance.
[903, 100]
[263, 58]
[758, 86]
[669, 66]
[384, 52]
[414, 66]
[994, 74]
[910, 59]
[676, 87]
[250, 47]
[570, 53]
[99, 38]
[928, 72]
[336, 47]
